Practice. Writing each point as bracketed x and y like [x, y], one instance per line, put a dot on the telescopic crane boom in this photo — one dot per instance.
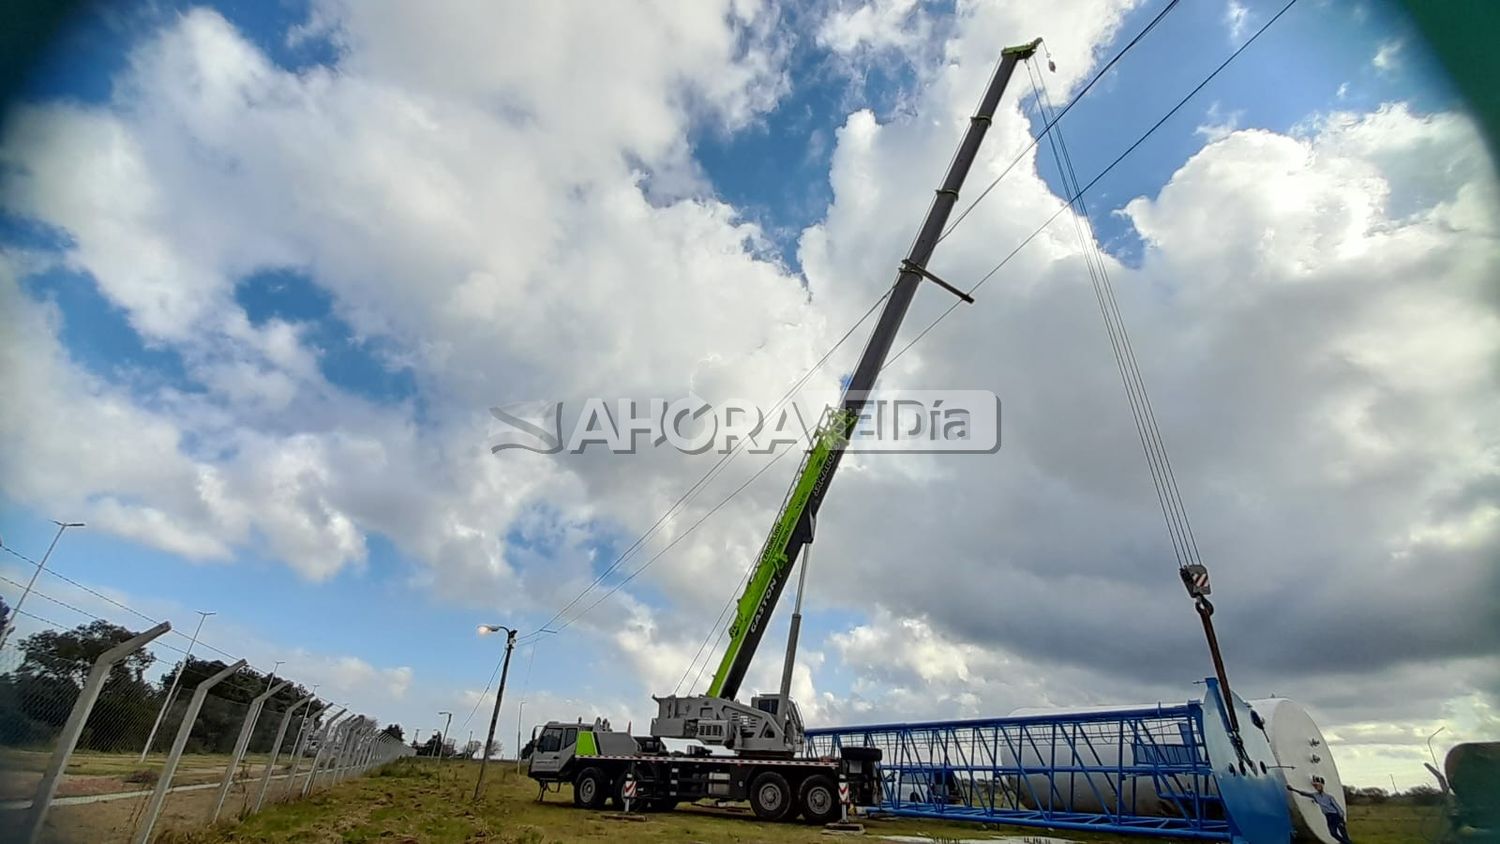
[771, 724]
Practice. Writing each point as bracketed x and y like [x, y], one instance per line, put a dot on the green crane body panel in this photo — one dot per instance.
[586, 745]
[771, 568]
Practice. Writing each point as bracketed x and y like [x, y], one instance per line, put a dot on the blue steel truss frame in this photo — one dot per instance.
[1142, 771]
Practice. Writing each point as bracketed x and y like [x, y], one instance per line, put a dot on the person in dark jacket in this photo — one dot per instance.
[1330, 807]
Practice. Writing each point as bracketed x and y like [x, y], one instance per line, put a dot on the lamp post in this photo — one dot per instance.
[1429, 744]
[271, 679]
[510, 645]
[176, 678]
[61, 526]
[443, 736]
[520, 712]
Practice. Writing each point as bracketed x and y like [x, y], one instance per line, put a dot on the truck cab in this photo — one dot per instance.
[556, 745]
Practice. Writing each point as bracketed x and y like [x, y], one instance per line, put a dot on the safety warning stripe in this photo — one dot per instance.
[715, 760]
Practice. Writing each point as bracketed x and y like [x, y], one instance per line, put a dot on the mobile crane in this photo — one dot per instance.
[712, 745]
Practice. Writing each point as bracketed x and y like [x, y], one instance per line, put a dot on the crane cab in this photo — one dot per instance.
[556, 745]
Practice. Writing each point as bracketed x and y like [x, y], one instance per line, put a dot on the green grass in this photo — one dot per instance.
[427, 801]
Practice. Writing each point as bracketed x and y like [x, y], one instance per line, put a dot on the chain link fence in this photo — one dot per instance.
[114, 733]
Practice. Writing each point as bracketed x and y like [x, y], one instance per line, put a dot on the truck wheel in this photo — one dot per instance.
[589, 790]
[770, 797]
[820, 800]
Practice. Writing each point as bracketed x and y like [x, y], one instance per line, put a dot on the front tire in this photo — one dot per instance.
[771, 797]
[590, 789]
[820, 800]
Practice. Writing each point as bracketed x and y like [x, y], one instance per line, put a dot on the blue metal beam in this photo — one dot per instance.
[1134, 771]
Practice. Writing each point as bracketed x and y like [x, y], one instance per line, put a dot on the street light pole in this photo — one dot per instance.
[1429, 744]
[443, 736]
[520, 712]
[272, 678]
[489, 742]
[176, 678]
[61, 526]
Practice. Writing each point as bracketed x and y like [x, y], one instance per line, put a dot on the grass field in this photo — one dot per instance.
[425, 801]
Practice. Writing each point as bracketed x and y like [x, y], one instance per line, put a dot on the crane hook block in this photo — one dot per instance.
[1195, 578]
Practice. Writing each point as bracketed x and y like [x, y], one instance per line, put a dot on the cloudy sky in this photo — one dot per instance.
[266, 267]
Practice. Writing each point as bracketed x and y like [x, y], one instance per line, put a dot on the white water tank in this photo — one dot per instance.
[1093, 792]
[1297, 745]
[1302, 754]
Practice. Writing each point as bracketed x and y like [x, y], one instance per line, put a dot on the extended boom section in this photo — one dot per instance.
[793, 527]
[775, 562]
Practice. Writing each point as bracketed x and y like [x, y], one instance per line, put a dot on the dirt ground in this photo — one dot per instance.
[115, 819]
[106, 773]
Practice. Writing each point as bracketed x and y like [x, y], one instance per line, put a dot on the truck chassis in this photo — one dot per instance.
[776, 789]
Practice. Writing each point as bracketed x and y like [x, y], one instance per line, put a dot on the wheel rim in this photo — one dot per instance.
[771, 797]
[586, 789]
[819, 800]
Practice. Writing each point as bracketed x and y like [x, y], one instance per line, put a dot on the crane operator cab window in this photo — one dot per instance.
[554, 748]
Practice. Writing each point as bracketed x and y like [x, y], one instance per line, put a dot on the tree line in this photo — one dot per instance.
[37, 696]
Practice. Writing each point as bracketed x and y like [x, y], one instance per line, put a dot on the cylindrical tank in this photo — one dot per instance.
[1097, 793]
[1302, 754]
[1296, 743]
[1473, 771]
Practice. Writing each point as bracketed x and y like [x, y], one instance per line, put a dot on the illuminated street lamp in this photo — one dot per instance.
[489, 741]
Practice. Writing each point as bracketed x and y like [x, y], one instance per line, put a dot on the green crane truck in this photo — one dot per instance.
[711, 745]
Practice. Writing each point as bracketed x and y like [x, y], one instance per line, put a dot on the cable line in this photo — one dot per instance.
[741, 488]
[702, 482]
[1102, 173]
[1172, 4]
[1125, 363]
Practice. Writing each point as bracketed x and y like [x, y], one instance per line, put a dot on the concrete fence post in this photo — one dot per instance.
[159, 796]
[346, 743]
[372, 742]
[246, 727]
[333, 743]
[77, 719]
[327, 738]
[352, 741]
[357, 764]
[356, 743]
[306, 736]
[265, 778]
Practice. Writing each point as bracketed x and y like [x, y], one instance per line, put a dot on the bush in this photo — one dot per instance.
[144, 776]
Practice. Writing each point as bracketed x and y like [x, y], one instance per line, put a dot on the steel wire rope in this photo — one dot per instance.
[1169, 496]
[533, 637]
[1095, 180]
[701, 483]
[1172, 4]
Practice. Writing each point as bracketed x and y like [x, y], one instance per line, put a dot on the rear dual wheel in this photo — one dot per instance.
[771, 797]
[819, 799]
